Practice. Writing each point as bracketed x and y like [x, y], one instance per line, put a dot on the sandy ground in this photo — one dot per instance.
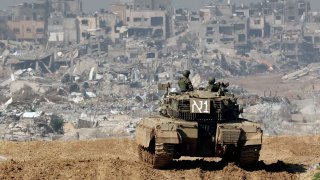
[281, 158]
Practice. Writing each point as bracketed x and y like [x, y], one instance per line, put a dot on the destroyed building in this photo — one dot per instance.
[4, 29]
[257, 26]
[312, 29]
[219, 25]
[153, 5]
[242, 11]
[108, 22]
[88, 25]
[294, 10]
[181, 19]
[63, 29]
[119, 9]
[69, 8]
[147, 24]
[40, 62]
[154, 17]
[27, 21]
[146, 18]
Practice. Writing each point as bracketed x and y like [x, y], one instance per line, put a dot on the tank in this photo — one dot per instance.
[198, 124]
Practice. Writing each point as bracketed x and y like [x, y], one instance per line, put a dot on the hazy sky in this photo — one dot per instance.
[92, 5]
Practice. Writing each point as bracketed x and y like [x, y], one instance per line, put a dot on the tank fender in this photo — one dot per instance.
[144, 135]
[251, 134]
[253, 138]
[228, 134]
[247, 133]
[167, 133]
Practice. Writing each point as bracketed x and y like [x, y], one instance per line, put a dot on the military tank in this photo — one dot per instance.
[198, 124]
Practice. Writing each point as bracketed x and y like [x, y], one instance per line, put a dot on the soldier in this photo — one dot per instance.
[223, 87]
[212, 85]
[184, 83]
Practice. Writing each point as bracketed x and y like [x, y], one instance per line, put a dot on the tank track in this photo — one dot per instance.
[249, 155]
[161, 158]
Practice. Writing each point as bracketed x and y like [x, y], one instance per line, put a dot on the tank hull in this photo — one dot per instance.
[162, 139]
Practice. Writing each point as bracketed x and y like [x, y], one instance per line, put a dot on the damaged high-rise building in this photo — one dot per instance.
[147, 23]
[144, 20]
[294, 9]
[63, 29]
[154, 5]
[221, 26]
[27, 21]
[67, 7]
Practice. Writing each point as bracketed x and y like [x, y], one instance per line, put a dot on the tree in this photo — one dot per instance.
[56, 123]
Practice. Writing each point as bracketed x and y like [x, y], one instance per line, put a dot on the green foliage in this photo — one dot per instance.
[56, 123]
[316, 176]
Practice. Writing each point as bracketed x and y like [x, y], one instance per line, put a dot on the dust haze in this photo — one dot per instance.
[93, 5]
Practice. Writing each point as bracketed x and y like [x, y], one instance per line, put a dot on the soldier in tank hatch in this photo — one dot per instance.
[214, 86]
[184, 83]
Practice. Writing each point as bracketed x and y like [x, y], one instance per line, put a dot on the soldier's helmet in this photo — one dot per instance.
[186, 73]
[212, 80]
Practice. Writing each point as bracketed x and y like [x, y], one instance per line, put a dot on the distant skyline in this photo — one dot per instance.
[94, 5]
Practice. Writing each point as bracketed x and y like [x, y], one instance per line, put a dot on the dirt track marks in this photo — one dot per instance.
[282, 158]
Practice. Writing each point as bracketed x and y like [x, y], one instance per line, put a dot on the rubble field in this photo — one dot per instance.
[275, 84]
[282, 157]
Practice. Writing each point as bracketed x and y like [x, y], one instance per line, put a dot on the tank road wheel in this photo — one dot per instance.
[230, 154]
[163, 155]
[248, 155]
[160, 158]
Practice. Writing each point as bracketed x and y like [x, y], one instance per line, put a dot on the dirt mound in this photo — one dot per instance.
[281, 158]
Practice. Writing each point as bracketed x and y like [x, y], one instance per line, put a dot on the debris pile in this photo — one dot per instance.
[283, 117]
